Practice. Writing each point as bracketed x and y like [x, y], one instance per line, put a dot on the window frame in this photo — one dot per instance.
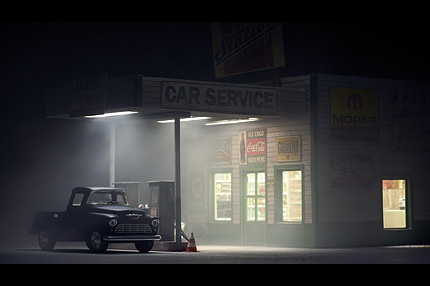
[278, 170]
[212, 201]
[256, 196]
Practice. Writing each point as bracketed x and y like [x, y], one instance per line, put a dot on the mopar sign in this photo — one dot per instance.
[226, 99]
[354, 113]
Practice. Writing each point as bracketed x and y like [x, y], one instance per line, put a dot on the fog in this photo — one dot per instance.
[45, 159]
[144, 151]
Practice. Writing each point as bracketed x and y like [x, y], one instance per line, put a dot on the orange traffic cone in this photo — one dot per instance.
[191, 247]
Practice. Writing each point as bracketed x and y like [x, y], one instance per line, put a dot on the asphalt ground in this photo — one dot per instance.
[77, 253]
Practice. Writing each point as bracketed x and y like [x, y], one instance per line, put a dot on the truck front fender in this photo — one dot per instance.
[98, 221]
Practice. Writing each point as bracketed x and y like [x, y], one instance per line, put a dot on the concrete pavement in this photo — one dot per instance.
[77, 253]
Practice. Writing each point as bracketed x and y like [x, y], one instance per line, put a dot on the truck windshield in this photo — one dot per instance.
[106, 198]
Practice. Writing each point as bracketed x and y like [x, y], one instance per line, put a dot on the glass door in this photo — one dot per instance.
[255, 197]
[254, 204]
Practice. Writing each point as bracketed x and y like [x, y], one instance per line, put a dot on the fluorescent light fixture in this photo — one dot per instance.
[110, 114]
[232, 121]
[184, 119]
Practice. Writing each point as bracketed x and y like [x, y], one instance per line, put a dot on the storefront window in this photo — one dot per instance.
[292, 196]
[256, 197]
[394, 203]
[222, 184]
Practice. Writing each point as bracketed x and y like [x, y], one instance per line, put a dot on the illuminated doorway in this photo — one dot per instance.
[394, 201]
[254, 193]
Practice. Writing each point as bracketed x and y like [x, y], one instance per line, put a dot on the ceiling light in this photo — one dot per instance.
[184, 119]
[232, 121]
[110, 114]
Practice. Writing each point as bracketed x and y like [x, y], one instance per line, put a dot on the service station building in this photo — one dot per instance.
[321, 160]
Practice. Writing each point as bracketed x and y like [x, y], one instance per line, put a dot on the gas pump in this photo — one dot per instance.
[162, 204]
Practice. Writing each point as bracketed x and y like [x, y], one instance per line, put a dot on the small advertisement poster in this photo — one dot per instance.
[411, 120]
[252, 147]
[220, 151]
[351, 171]
[288, 149]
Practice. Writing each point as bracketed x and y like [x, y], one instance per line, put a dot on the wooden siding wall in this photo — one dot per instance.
[275, 128]
[296, 100]
[337, 204]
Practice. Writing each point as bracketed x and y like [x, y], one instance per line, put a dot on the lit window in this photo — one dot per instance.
[394, 203]
[222, 185]
[292, 196]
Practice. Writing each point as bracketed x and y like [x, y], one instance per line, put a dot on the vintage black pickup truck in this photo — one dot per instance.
[98, 216]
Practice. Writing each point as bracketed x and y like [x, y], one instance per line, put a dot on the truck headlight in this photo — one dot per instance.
[113, 222]
[155, 222]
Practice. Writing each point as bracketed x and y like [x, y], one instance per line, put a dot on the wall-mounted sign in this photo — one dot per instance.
[411, 120]
[354, 114]
[240, 47]
[220, 151]
[288, 149]
[351, 171]
[252, 147]
[218, 98]
[88, 96]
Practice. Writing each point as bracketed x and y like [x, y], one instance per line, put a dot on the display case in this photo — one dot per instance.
[292, 196]
[394, 203]
[222, 207]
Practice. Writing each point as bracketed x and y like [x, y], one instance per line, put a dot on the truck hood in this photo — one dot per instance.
[117, 209]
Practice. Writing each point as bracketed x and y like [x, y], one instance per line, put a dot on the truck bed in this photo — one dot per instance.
[44, 220]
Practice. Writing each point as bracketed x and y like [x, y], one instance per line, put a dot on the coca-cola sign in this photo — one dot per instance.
[256, 147]
[252, 147]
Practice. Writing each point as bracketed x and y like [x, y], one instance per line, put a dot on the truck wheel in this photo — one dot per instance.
[95, 242]
[46, 240]
[144, 246]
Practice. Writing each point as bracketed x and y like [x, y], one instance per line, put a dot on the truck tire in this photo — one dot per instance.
[46, 240]
[144, 246]
[95, 242]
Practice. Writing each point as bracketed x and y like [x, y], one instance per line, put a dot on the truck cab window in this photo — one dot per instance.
[106, 198]
[99, 198]
[77, 200]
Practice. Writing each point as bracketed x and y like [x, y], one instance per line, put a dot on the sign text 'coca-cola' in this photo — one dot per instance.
[252, 147]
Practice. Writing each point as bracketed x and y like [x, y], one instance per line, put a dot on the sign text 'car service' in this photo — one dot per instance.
[222, 98]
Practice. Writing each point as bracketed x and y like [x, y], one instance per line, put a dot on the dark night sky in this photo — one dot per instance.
[35, 55]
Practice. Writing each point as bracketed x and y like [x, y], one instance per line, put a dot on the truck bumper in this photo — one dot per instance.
[131, 238]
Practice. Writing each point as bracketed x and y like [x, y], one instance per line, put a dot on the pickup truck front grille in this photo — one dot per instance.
[133, 228]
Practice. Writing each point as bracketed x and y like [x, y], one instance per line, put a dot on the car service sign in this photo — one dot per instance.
[218, 98]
